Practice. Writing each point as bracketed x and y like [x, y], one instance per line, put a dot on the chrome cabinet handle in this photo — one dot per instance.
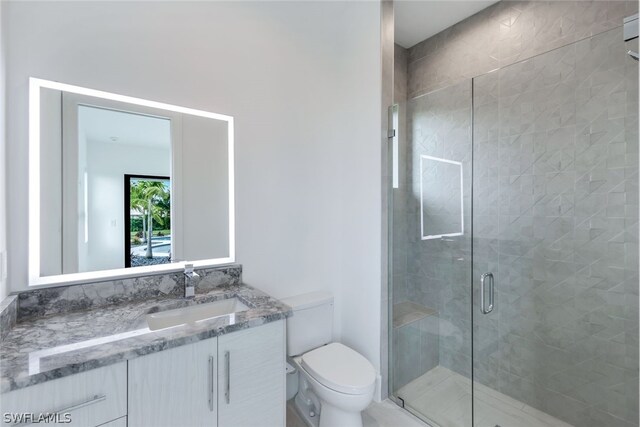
[95, 399]
[92, 401]
[227, 365]
[211, 383]
[483, 307]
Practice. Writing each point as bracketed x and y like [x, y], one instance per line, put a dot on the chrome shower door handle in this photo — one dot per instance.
[483, 307]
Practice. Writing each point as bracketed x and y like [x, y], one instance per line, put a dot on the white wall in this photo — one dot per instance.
[302, 80]
[3, 162]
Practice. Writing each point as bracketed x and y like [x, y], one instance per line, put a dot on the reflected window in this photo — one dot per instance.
[148, 220]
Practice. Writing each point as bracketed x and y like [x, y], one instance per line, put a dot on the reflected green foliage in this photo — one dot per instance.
[152, 198]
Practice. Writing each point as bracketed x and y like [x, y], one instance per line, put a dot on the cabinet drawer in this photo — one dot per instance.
[89, 398]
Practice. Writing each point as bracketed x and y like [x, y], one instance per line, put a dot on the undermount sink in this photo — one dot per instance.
[194, 313]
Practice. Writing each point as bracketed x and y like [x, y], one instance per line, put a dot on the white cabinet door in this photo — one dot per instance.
[86, 399]
[175, 387]
[251, 377]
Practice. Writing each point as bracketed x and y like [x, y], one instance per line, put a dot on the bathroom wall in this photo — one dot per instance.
[3, 162]
[308, 155]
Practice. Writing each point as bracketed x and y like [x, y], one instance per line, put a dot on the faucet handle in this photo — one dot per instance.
[189, 272]
[189, 285]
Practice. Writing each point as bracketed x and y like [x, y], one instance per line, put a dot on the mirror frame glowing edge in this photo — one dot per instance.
[35, 86]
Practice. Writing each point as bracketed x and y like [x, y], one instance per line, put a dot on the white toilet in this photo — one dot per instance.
[336, 383]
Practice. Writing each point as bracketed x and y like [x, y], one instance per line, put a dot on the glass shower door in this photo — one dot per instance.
[431, 245]
[555, 221]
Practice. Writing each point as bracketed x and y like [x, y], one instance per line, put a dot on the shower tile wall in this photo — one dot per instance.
[504, 33]
[556, 221]
[432, 273]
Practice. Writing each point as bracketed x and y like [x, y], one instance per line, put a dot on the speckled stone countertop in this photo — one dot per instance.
[45, 348]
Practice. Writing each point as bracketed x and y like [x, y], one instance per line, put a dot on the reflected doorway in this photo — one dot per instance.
[147, 210]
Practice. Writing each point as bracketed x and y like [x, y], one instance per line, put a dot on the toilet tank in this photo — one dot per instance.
[311, 324]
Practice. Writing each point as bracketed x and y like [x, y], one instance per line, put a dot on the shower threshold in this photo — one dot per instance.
[443, 398]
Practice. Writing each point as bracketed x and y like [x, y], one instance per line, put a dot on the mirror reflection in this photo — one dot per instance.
[147, 221]
[115, 178]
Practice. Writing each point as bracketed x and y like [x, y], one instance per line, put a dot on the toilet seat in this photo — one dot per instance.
[340, 368]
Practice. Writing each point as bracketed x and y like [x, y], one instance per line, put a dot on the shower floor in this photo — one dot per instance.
[444, 397]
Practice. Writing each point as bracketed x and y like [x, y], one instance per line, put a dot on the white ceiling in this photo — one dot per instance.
[119, 127]
[417, 20]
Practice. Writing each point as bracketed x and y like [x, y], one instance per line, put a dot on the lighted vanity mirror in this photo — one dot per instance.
[120, 186]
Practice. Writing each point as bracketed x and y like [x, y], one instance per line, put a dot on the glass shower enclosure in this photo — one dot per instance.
[514, 247]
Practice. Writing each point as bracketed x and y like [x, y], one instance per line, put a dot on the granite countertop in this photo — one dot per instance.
[45, 348]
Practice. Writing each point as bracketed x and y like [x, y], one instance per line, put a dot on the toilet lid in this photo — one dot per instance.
[340, 368]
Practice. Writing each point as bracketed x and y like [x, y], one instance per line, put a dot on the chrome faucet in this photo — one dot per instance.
[189, 285]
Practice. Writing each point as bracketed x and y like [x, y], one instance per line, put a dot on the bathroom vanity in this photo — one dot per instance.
[105, 366]
[115, 327]
[230, 380]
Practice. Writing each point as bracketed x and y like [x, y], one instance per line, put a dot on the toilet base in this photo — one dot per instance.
[305, 408]
[330, 417]
[333, 417]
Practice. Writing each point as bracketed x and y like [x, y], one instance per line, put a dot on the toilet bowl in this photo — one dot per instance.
[342, 380]
[336, 383]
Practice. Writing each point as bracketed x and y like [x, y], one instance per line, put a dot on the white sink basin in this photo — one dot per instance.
[194, 313]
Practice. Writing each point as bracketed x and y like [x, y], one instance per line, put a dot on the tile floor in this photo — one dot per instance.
[383, 414]
[445, 397]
